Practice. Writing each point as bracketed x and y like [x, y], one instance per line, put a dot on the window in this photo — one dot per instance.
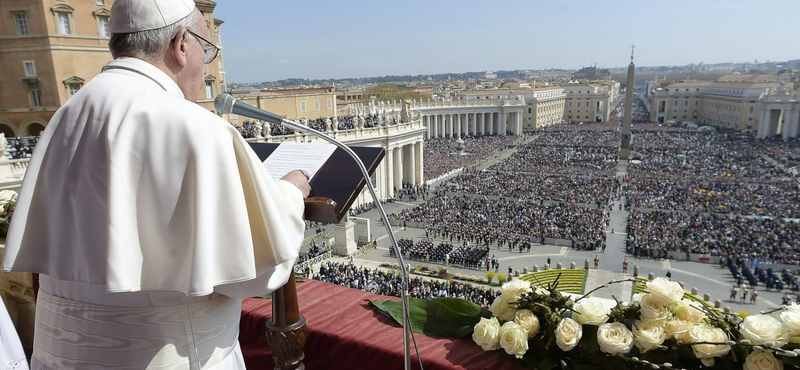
[73, 88]
[696, 103]
[685, 103]
[64, 27]
[530, 110]
[316, 105]
[30, 68]
[21, 20]
[675, 103]
[302, 106]
[36, 99]
[209, 90]
[579, 104]
[102, 26]
[752, 109]
[330, 103]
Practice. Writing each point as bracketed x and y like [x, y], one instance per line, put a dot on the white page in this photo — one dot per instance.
[290, 156]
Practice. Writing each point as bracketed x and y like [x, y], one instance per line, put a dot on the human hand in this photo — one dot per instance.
[299, 178]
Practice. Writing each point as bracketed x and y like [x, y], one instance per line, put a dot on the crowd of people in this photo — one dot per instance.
[715, 197]
[770, 240]
[390, 283]
[535, 186]
[20, 147]
[440, 153]
[444, 253]
[572, 160]
[504, 222]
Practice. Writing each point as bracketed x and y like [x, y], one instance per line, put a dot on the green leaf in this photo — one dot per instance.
[441, 317]
[589, 339]
[794, 361]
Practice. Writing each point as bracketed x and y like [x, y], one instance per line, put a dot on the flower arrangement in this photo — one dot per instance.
[659, 329]
[8, 201]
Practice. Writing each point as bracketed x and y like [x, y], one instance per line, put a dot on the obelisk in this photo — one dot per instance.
[625, 148]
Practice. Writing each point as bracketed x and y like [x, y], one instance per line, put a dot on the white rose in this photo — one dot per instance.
[487, 334]
[688, 310]
[515, 288]
[762, 328]
[614, 338]
[791, 321]
[762, 360]
[590, 312]
[678, 330]
[514, 339]
[502, 309]
[651, 310]
[648, 335]
[664, 291]
[568, 334]
[527, 320]
[707, 352]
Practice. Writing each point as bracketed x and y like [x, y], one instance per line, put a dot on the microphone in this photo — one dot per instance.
[226, 104]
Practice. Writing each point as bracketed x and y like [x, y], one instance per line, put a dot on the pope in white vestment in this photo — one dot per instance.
[149, 219]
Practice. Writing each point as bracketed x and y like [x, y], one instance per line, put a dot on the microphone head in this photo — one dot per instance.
[224, 103]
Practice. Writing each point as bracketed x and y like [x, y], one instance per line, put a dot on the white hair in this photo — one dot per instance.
[149, 44]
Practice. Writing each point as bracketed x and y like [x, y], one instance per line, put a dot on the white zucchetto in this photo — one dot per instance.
[129, 16]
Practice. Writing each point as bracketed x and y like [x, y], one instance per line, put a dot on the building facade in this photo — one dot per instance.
[731, 102]
[51, 48]
[294, 104]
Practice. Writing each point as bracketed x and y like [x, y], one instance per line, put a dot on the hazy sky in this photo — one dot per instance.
[266, 40]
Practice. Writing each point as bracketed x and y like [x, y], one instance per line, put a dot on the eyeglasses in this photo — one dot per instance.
[210, 49]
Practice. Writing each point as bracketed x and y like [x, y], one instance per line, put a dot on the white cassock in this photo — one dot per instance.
[149, 219]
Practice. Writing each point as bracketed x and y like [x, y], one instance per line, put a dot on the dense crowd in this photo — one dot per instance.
[535, 186]
[390, 283]
[440, 153]
[578, 160]
[713, 196]
[445, 253]
[485, 221]
[766, 239]
[20, 147]
[597, 135]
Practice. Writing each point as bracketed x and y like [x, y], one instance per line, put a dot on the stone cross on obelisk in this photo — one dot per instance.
[625, 148]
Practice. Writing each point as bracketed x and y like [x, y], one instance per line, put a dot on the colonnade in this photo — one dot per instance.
[403, 164]
[780, 114]
[474, 124]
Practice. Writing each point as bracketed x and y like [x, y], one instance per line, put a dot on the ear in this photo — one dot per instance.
[179, 48]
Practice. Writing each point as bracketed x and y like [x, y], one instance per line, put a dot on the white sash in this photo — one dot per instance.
[78, 335]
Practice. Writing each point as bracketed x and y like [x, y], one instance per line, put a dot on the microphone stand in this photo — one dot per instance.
[404, 272]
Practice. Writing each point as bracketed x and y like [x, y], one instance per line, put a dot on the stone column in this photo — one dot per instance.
[390, 172]
[519, 123]
[411, 167]
[763, 122]
[344, 241]
[398, 168]
[501, 127]
[418, 166]
[491, 123]
[474, 124]
[482, 125]
[790, 124]
[436, 130]
[457, 125]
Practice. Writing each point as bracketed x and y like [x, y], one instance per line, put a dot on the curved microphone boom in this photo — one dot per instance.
[226, 104]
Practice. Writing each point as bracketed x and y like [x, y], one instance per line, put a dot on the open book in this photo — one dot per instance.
[335, 183]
